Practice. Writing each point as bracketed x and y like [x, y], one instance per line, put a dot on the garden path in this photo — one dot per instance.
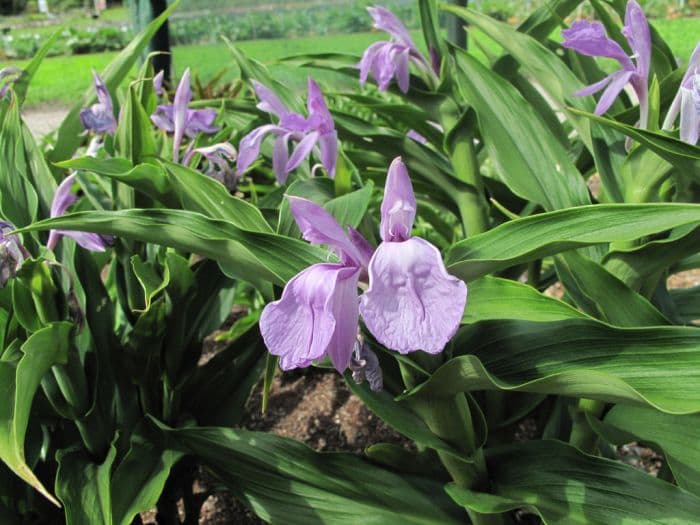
[44, 119]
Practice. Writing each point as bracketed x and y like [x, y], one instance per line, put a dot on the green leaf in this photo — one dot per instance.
[255, 257]
[495, 298]
[135, 130]
[538, 236]
[616, 302]
[39, 172]
[533, 164]
[83, 487]
[567, 487]
[284, 481]
[69, 133]
[151, 282]
[657, 366]
[21, 85]
[677, 436]
[44, 349]
[687, 301]
[138, 480]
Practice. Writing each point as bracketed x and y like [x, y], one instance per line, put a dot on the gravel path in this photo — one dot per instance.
[44, 119]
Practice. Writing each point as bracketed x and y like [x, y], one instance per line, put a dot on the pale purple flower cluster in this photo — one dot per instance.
[317, 131]
[99, 117]
[687, 102]
[12, 253]
[412, 303]
[62, 200]
[590, 38]
[8, 75]
[390, 59]
[178, 119]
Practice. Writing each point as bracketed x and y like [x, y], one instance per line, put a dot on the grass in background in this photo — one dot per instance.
[61, 80]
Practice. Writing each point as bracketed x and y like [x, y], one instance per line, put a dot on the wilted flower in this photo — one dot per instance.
[8, 75]
[412, 302]
[687, 102]
[365, 366]
[100, 116]
[317, 315]
[389, 59]
[178, 119]
[219, 158]
[590, 38]
[62, 200]
[318, 130]
[12, 253]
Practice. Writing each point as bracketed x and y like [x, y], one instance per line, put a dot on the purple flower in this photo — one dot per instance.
[158, 82]
[8, 75]
[412, 302]
[317, 132]
[589, 38]
[12, 253]
[62, 200]
[390, 59]
[687, 102]
[100, 116]
[219, 158]
[178, 119]
[317, 315]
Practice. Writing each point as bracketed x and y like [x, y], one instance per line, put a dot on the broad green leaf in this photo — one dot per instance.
[567, 487]
[69, 133]
[44, 349]
[255, 257]
[284, 481]
[616, 302]
[495, 298]
[151, 282]
[135, 130]
[560, 83]
[657, 366]
[532, 164]
[83, 487]
[38, 172]
[538, 236]
[401, 418]
[677, 436]
[138, 481]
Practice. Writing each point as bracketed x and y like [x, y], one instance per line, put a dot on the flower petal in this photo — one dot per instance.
[181, 101]
[320, 227]
[402, 73]
[200, 121]
[412, 302]
[617, 84]
[690, 115]
[594, 88]
[269, 102]
[590, 38]
[385, 20]
[319, 114]
[280, 157]
[399, 204]
[301, 151]
[249, 147]
[328, 144]
[63, 198]
[163, 117]
[636, 30]
[301, 326]
[368, 57]
[158, 82]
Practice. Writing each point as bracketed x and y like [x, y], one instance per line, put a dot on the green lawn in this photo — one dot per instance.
[62, 79]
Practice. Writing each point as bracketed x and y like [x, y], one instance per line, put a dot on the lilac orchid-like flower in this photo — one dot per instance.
[590, 38]
[391, 59]
[62, 200]
[12, 253]
[687, 102]
[8, 76]
[178, 119]
[99, 117]
[317, 132]
[412, 302]
[317, 315]
[219, 158]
